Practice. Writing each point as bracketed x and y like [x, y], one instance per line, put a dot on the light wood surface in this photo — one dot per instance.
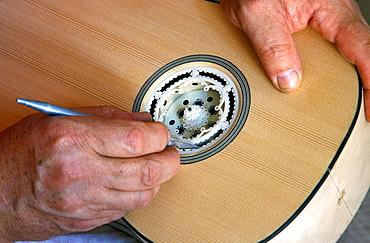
[76, 53]
[339, 197]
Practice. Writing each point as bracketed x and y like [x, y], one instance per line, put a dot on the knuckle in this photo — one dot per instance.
[151, 173]
[58, 125]
[64, 174]
[61, 204]
[136, 140]
[75, 171]
[277, 50]
[63, 133]
[56, 192]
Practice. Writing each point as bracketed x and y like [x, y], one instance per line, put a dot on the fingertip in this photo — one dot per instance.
[176, 151]
[287, 81]
[142, 116]
[161, 126]
[175, 159]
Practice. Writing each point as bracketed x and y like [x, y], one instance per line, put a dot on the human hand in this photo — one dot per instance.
[269, 25]
[66, 174]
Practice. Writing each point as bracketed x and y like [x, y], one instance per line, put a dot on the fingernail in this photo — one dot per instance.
[287, 80]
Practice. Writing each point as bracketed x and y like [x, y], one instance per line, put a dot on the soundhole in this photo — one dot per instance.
[203, 100]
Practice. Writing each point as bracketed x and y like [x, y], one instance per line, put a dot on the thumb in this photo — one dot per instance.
[266, 27]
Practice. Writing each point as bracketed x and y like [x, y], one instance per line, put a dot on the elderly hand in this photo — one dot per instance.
[65, 174]
[269, 25]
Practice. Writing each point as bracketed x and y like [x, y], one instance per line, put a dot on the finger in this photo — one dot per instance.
[88, 222]
[114, 112]
[140, 173]
[124, 138]
[107, 199]
[265, 24]
[346, 28]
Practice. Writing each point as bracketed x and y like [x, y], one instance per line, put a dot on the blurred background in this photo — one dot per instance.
[365, 8]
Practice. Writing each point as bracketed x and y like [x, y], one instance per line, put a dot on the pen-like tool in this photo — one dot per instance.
[55, 110]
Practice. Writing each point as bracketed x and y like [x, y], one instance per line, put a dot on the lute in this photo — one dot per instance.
[268, 166]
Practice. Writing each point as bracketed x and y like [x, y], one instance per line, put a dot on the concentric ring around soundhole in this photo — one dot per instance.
[203, 100]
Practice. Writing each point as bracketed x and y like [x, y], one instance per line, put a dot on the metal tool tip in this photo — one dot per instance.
[21, 101]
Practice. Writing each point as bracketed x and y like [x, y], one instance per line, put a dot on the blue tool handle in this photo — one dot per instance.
[49, 109]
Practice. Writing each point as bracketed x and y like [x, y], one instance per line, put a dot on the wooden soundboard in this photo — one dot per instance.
[298, 169]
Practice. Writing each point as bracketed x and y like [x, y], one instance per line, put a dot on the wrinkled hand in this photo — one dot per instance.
[65, 174]
[269, 25]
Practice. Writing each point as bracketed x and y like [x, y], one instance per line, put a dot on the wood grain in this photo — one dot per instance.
[339, 197]
[74, 53]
